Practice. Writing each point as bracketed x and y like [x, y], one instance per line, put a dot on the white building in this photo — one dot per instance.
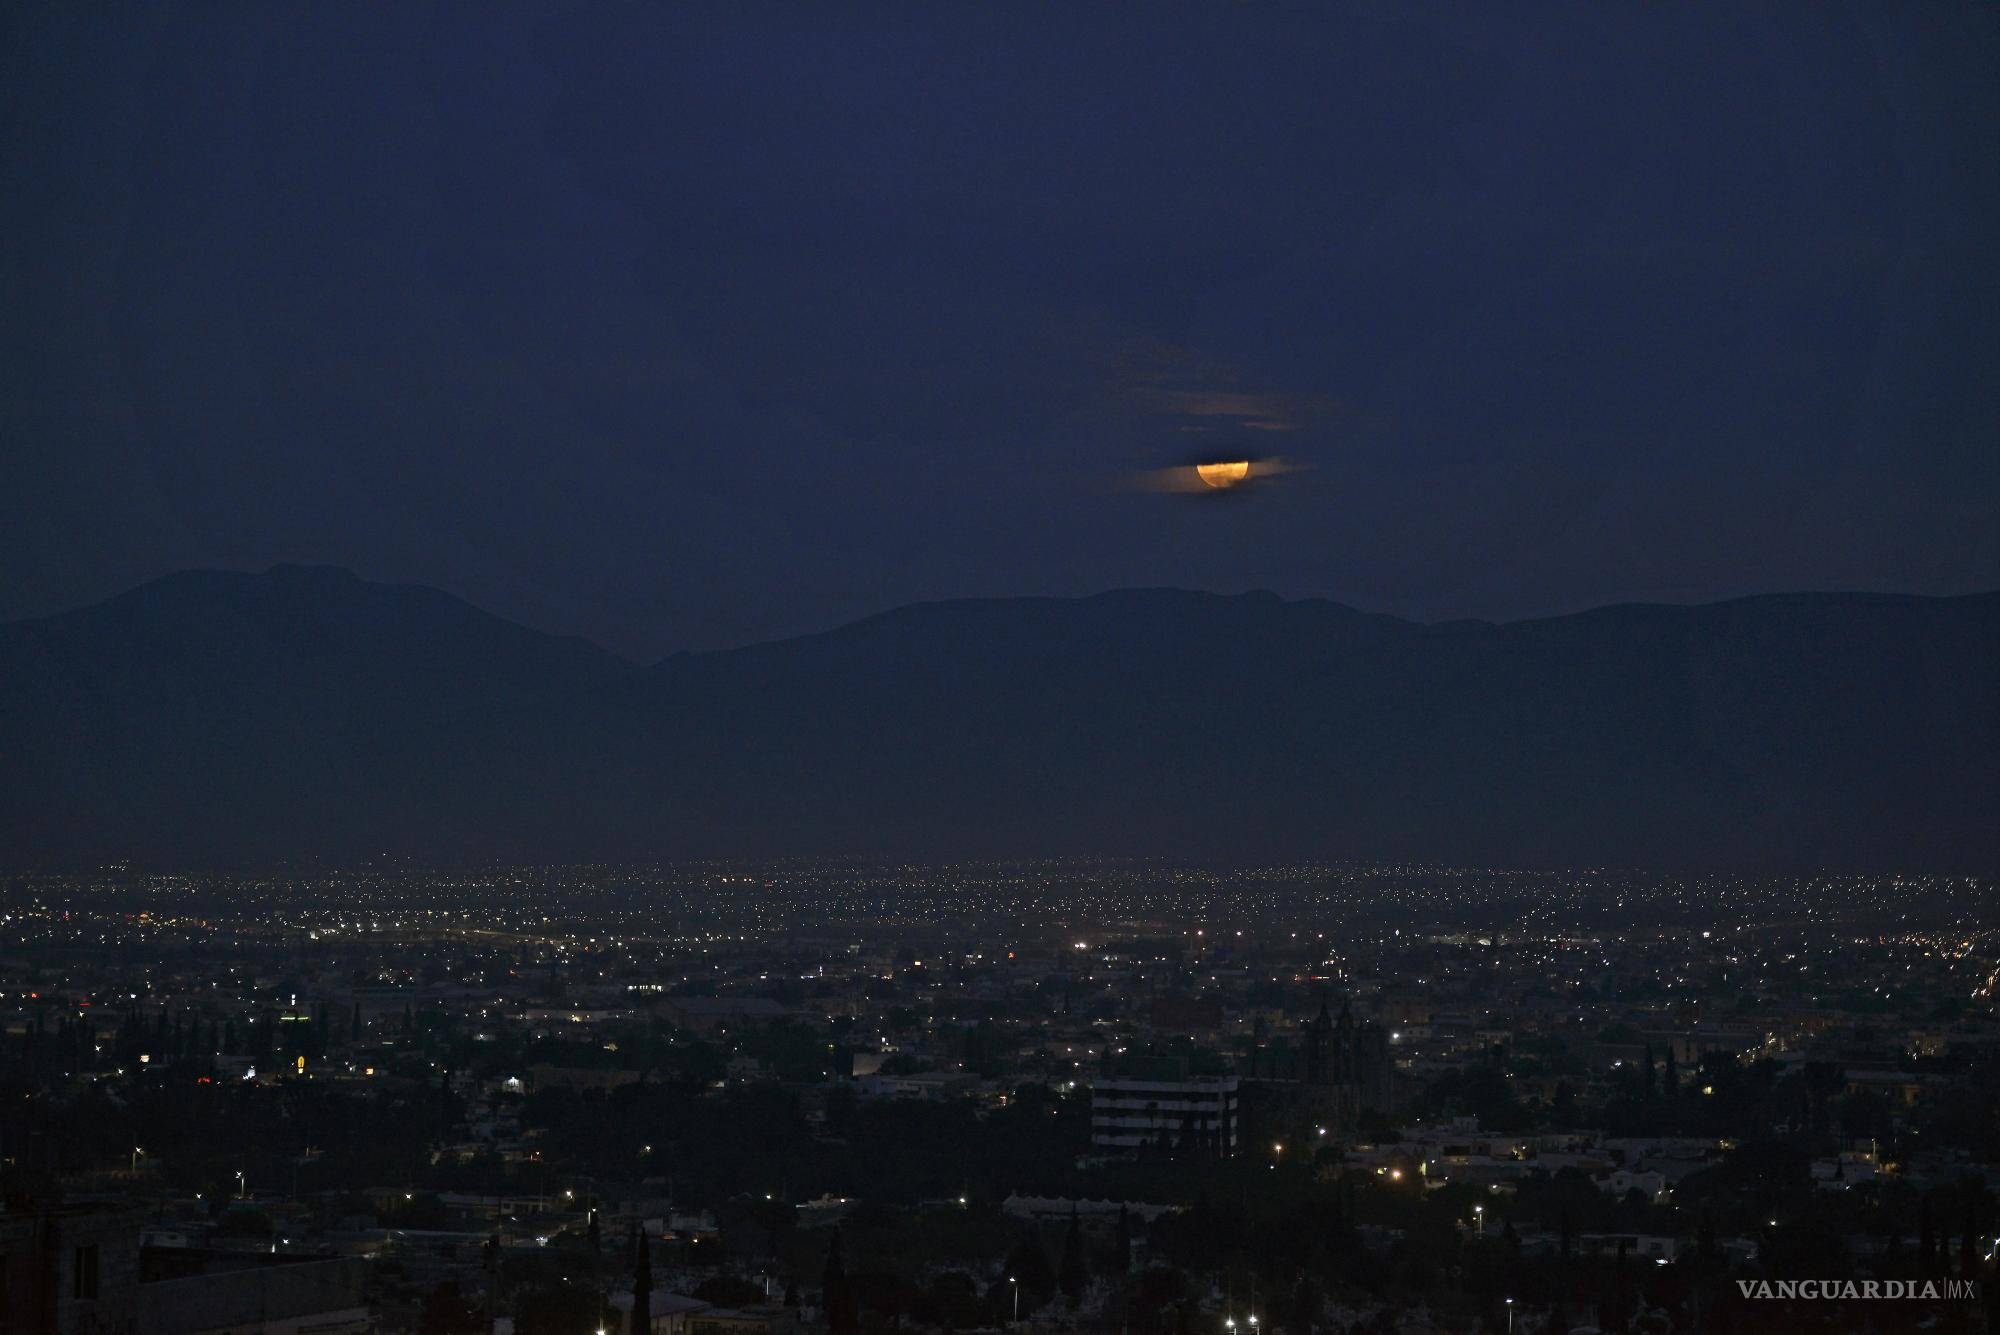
[1196, 1114]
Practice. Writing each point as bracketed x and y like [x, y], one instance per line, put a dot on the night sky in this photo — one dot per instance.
[681, 327]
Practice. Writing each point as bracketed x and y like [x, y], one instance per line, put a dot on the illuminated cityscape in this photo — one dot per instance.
[1110, 1093]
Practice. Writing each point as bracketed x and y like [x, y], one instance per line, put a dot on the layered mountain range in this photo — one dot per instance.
[228, 719]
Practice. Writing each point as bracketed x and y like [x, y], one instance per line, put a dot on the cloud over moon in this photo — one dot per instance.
[1205, 410]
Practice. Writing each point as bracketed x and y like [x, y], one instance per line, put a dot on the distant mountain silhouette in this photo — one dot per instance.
[306, 713]
[208, 715]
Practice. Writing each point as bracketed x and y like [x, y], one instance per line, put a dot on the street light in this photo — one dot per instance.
[1479, 1219]
[1510, 1316]
[1017, 1296]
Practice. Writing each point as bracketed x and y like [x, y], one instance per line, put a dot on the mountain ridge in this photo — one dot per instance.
[215, 717]
[333, 573]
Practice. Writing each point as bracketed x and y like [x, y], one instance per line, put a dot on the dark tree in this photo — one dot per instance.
[1075, 1272]
[446, 1312]
[843, 1316]
[555, 1309]
[1028, 1265]
[642, 1283]
[1304, 1312]
[728, 1291]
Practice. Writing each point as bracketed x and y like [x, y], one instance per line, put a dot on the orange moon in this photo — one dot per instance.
[1223, 475]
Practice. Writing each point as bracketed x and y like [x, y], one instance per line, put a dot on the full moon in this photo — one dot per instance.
[1223, 475]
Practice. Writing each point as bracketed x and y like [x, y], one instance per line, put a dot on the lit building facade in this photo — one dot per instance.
[1198, 1115]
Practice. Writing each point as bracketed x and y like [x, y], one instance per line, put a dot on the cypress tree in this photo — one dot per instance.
[1305, 1307]
[836, 1295]
[1074, 1273]
[642, 1282]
